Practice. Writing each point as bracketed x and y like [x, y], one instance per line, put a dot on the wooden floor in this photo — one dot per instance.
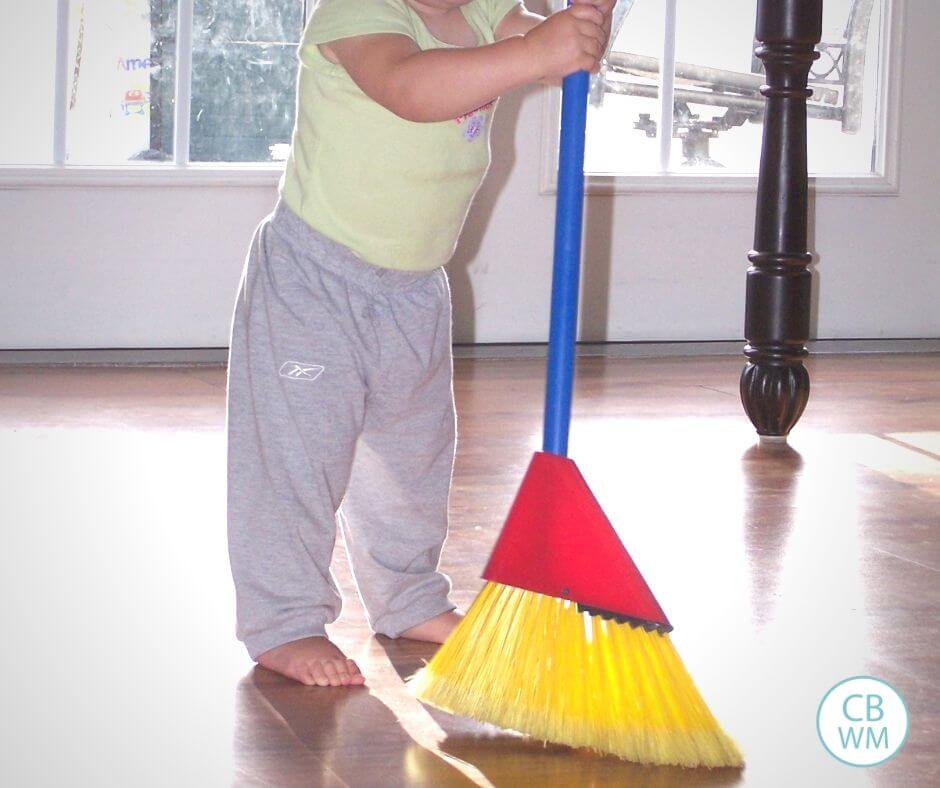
[783, 571]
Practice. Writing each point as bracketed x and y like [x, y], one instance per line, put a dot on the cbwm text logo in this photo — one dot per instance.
[862, 721]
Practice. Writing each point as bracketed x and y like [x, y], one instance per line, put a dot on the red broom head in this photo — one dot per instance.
[558, 542]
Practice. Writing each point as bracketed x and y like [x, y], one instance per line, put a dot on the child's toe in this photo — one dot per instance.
[329, 668]
[319, 675]
[306, 678]
[342, 669]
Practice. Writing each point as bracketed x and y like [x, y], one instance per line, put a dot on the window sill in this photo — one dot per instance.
[146, 175]
[861, 185]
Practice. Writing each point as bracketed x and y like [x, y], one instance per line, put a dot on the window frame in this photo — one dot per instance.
[885, 181]
[178, 172]
[59, 173]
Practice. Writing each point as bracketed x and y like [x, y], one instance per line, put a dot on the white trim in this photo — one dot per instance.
[13, 177]
[667, 85]
[60, 93]
[184, 82]
[884, 182]
[889, 91]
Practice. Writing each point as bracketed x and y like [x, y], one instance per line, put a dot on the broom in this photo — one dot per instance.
[566, 642]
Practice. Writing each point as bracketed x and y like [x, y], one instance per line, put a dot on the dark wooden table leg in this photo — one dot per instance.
[774, 383]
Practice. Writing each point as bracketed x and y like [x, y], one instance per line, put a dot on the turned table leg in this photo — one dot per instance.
[774, 383]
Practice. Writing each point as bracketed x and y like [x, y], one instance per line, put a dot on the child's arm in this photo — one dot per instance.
[440, 84]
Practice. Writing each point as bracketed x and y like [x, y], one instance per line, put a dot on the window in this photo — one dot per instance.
[27, 77]
[244, 77]
[207, 86]
[710, 131]
[149, 83]
[119, 95]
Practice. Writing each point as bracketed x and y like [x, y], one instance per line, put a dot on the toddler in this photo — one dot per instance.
[340, 396]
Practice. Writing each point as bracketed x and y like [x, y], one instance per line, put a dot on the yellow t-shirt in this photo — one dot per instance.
[394, 191]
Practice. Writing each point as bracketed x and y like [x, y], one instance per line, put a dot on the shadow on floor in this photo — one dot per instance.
[289, 734]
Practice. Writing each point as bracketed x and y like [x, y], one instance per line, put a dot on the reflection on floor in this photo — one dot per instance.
[784, 571]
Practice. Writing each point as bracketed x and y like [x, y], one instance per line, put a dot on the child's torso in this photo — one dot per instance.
[394, 191]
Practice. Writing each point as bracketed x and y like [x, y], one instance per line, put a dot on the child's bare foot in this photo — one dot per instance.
[434, 630]
[313, 661]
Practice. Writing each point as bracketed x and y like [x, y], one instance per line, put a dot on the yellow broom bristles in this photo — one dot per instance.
[534, 664]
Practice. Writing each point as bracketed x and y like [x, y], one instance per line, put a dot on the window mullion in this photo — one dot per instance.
[184, 82]
[60, 93]
[667, 75]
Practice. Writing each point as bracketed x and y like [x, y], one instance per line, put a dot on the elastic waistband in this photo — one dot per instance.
[310, 244]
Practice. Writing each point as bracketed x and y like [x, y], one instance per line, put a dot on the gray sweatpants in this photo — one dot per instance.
[340, 406]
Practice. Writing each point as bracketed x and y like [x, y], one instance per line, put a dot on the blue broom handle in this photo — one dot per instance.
[569, 214]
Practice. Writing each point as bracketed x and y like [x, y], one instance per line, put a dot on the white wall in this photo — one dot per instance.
[158, 267]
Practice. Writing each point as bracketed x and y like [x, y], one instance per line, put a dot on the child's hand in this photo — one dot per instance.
[571, 40]
[606, 7]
